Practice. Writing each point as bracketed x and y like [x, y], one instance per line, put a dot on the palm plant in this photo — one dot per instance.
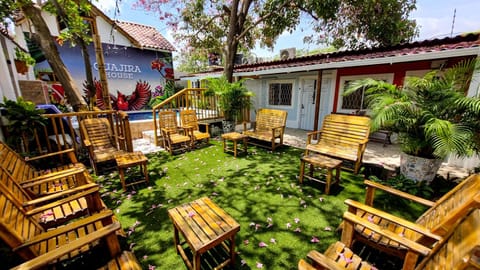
[431, 114]
[233, 97]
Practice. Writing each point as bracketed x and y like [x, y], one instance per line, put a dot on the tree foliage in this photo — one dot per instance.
[226, 27]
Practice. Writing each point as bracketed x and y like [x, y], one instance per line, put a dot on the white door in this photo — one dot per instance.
[326, 101]
[307, 105]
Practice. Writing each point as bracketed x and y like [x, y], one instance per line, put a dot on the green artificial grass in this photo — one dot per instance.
[260, 191]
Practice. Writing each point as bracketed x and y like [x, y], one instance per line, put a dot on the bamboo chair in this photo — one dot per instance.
[100, 141]
[460, 249]
[29, 239]
[426, 231]
[55, 209]
[190, 121]
[174, 137]
[60, 178]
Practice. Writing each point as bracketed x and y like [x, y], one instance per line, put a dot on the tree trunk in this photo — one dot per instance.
[43, 37]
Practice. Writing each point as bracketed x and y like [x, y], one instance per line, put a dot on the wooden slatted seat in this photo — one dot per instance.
[174, 137]
[29, 239]
[190, 121]
[100, 140]
[433, 224]
[343, 137]
[24, 173]
[55, 209]
[269, 127]
[459, 249]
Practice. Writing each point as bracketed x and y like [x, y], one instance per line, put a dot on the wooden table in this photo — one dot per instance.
[235, 137]
[128, 160]
[204, 226]
[324, 162]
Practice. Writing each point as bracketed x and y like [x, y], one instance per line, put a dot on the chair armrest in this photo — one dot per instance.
[107, 214]
[322, 260]
[47, 258]
[353, 206]
[409, 244]
[42, 204]
[66, 151]
[56, 175]
[311, 134]
[372, 186]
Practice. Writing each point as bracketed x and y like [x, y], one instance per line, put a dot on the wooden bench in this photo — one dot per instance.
[425, 232]
[460, 249]
[343, 137]
[269, 127]
[53, 180]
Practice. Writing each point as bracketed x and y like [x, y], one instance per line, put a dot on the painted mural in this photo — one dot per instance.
[127, 68]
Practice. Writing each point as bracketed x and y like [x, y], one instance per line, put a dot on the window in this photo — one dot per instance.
[280, 94]
[356, 101]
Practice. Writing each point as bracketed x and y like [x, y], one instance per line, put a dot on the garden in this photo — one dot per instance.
[280, 220]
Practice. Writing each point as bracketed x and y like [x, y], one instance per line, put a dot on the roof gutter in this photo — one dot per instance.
[367, 62]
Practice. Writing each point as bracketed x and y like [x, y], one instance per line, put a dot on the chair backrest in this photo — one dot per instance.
[15, 226]
[9, 184]
[460, 249]
[15, 164]
[98, 131]
[267, 119]
[168, 120]
[345, 129]
[189, 118]
[451, 206]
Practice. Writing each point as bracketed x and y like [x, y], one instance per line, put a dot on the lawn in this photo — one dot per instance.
[260, 191]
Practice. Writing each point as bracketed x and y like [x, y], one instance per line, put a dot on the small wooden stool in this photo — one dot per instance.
[324, 162]
[130, 159]
[234, 137]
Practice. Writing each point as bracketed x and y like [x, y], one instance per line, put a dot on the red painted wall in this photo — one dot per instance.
[399, 70]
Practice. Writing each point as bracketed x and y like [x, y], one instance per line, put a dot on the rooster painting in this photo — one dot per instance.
[137, 100]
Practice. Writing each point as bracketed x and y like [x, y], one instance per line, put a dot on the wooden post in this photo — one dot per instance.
[101, 65]
[317, 101]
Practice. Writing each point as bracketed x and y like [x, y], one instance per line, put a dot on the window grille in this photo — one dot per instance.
[280, 94]
[354, 101]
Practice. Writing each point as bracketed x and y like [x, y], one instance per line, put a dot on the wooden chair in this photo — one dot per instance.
[55, 209]
[123, 261]
[174, 137]
[460, 249]
[269, 127]
[46, 181]
[100, 141]
[29, 239]
[426, 231]
[190, 121]
[343, 137]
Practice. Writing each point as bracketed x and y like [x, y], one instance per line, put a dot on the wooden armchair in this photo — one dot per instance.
[100, 140]
[426, 231]
[29, 239]
[269, 126]
[460, 249]
[55, 209]
[342, 136]
[190, 121]
[174, 137]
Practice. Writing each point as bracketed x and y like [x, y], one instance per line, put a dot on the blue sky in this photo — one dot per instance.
[434, 17]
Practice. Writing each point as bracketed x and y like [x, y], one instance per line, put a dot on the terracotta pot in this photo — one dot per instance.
[418, 168]
[21, 66]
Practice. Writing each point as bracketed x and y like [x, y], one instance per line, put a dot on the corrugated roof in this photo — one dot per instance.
[146, 36]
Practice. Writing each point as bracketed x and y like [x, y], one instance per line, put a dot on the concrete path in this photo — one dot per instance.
[388, 156]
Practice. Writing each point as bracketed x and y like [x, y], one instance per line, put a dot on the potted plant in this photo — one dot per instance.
[233, 97]
[20, 119]
[432, 116]
[23, 60]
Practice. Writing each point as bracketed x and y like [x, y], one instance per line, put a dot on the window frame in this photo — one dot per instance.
[387, 77]
[292, 82]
